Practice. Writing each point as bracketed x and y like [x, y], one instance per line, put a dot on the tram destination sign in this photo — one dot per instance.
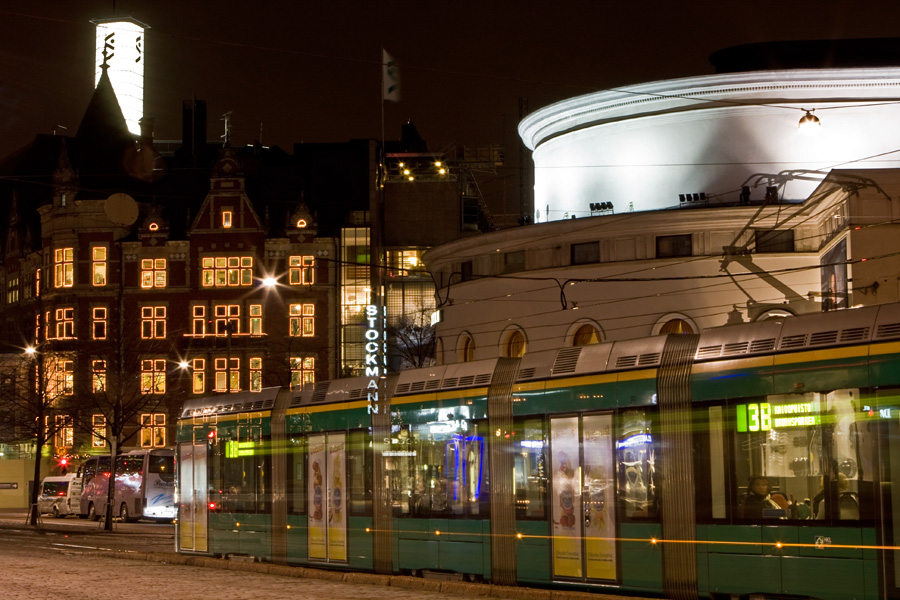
[765, 416]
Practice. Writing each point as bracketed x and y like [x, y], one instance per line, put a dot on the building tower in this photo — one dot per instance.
[121, 46]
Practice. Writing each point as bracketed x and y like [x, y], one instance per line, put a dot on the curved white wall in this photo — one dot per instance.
[640, 147]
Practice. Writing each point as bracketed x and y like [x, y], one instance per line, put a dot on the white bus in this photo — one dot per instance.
[145, 486]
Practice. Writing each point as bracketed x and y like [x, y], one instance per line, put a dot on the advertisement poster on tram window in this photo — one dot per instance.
[598, 497]
[318, 548]
[566, 502]
[186, 490]
[336, 498]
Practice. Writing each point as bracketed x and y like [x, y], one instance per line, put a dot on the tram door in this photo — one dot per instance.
[327, 531]
[192, 497]
[583, 505]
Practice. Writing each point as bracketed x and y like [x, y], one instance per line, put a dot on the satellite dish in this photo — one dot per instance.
[121, 209]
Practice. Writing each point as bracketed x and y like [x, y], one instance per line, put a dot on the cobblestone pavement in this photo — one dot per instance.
[66, 560]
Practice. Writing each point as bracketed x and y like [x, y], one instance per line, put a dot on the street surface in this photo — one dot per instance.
[54, 564]
[76, 559]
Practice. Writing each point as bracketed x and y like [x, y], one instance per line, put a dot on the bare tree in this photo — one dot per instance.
[413, 339]
[34, 405]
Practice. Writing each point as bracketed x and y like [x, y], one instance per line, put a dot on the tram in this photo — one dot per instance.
[751, 460]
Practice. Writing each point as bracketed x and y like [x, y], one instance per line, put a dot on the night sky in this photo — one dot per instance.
[310, 71]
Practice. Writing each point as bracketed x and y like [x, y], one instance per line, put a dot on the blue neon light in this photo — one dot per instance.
[459, 444]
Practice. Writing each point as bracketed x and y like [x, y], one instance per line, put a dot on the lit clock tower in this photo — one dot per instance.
[121, 46]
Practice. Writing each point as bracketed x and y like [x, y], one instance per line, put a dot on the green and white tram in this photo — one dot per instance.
[755, 459]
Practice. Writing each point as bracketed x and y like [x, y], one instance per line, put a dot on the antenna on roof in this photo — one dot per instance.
[227, 118]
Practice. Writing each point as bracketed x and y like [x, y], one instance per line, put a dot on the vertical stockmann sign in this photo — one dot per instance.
[121, 46]
[375, 347]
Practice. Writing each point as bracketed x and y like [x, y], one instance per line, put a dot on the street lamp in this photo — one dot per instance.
[808, 120]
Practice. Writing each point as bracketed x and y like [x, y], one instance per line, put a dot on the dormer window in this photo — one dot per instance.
[301, 223]
[154, 226]
[226, 219]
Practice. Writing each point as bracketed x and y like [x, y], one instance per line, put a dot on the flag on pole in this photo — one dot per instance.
[390, 77]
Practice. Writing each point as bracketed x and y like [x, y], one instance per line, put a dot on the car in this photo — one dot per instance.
[55, 497]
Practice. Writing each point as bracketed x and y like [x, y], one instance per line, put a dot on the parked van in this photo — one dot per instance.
[56, 497]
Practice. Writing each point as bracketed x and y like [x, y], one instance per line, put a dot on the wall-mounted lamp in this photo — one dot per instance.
[808, 119]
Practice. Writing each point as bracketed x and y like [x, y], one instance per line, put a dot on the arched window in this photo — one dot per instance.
[515, 344]
[586, 335]
[467, 350]
[676, 326]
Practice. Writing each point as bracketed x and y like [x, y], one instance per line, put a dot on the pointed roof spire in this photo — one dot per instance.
[103, 113]
[103, 135]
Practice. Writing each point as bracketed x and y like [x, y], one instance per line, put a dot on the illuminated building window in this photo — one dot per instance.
[585, 335]
[98, 431]
[226, 219]
[255, 374]
[198, 377]
[224, 271]
[153, 430]
[302, 270]
[37, 329]
[153, 273]
[98, 266]
[198, 320]
[514, 346]
[302, 320]
[303, 371]
[403, 263]
[62, 378]
[224, 374]
[12, 290]
[64, 434]
[227, 319]
[255, 319]
[153, 322]
[153, 376]
[65, 323]
[98, 323]
[98, 376]
[64, 267]
[676, 326]
[154, 227]
[37, 283]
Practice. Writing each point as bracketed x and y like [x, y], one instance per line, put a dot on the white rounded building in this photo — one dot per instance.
[678, 205]
[644, 146]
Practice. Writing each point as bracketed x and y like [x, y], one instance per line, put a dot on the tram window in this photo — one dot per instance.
[716, 457]
[296, 474]
[245, 475]
[804, 456]
[530, 469]
[636, 450]
[438, 468]
[359, 473]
